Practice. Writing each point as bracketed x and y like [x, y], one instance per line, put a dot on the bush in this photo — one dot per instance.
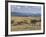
[25, 21]
[12, 21]
[33, 21]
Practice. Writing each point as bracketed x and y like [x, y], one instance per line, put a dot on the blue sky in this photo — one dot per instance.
[26, 9]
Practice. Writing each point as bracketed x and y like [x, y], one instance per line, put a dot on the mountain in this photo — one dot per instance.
[25, 14]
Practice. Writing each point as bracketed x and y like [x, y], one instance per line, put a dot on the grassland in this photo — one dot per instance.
[19, 23]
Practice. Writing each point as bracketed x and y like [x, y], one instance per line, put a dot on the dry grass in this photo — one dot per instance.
[24, 23]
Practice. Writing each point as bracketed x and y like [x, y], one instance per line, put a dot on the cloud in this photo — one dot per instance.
[25, 9]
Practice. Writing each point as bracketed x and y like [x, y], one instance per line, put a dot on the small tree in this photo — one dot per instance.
[33, 21]
[12, 21]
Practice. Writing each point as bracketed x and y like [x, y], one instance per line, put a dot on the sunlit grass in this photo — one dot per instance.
[24, 23]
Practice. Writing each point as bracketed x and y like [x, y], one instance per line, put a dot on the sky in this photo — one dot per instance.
[26, 9]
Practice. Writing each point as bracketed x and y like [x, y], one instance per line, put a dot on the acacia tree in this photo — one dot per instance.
[33, 22]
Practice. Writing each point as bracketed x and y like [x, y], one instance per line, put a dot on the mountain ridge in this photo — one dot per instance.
[24, 14]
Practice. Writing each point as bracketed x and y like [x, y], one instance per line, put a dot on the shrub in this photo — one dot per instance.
[21, 22]
[14, 24]
[25, 21]
[33, 21]
[12, 21]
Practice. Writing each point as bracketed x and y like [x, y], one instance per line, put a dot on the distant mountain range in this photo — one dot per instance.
[24, 14]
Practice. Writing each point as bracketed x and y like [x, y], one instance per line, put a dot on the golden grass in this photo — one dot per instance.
[24, 26]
